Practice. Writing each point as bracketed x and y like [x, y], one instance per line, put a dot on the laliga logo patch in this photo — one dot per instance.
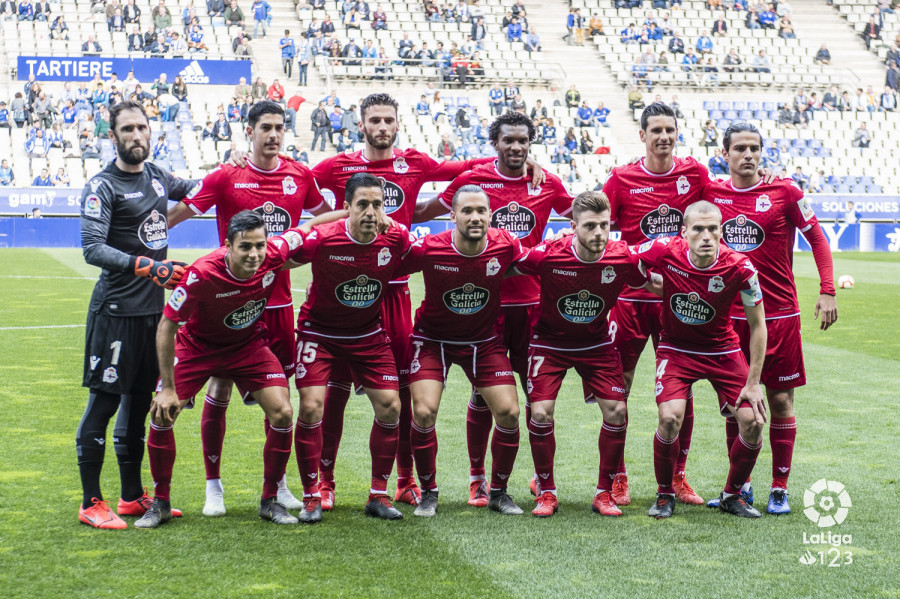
[195, 190]
[92, 205]
[176, 300]
[288, 186]
[609, 275]
[158, 188]
[493, 267]
[400, 166]
[532, 190]
[267, 279]
[294, 239]
[716, 284]
[682, 185]
[384, 257]
[763, 203]
[806, 208]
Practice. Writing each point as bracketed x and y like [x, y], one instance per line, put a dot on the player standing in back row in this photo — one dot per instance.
[761, 221]
[124, 232]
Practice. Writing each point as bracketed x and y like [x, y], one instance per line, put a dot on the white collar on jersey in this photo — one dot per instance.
[652, 174]
[261, 170]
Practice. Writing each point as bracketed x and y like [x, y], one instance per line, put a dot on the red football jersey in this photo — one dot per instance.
[761, 222]
[647, 205]
[344, 300]
[280, 196]
[217, 308]
[521, 209]
[697, 302]
[462, 293]
[576, 296]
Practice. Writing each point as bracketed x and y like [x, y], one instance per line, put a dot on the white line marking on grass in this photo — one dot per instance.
[46, 277]
[48, 326]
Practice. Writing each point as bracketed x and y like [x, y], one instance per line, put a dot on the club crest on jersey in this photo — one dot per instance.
[288, 186]
[246, 315]
[176, 300]
[515, 218]
[665, 221]
[682, 185]
[763, 203]
[716, 284]
[158, 188]
[277, 218]
[393, 195]
[400, 166]
[742, 234]
[493, 267]
[609, 275]
[360, 292]
[384, 257]
[691, 309]
[532, 190]
[110, 375]
[467, 299]
[192, 278]
[154, 231]
[93, 206]
[267, 279]
[581, 308]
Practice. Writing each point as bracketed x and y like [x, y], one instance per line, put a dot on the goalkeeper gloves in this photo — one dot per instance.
[165, 273]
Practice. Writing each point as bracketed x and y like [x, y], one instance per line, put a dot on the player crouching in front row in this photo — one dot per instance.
[701, 280]
[211, 327]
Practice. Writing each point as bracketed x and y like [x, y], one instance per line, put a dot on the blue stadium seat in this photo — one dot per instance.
[716, 115]
[724, 105]
[874, 189]
[773, 115]
[815, 143]
[823, 152]
[858, 189]
[753, 105]
[827, 188]
[745, 115]
[760, 115]
[738, 105]
[709, 106]
[866, 180]
[731, 114]
[843, 188]
[723, 124]
[808, 153]
[770, 106]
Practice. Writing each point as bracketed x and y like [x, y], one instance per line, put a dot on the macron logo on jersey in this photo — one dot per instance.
[491, 185]
[641, 190]
[193, 73]
[353, 169]
[342, 258]
[246, 185]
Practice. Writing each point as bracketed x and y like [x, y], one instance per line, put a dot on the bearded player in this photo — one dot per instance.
[761, 220]
[279, 190]
[523, 209]
[701, 280]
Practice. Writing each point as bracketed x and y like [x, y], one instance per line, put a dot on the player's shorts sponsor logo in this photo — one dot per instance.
[790, 377]
[500, 373]
[158, 188]
[276, 375]
[690, 308]
[154, 231]
[288, 186]
[581, 308]
[246, 315]
[93, 207]
[515, 218]
[393, 196]
[742, 234]
[467, 299]
[176, 300]
[277, 218]
[665, 221]
[360, 292]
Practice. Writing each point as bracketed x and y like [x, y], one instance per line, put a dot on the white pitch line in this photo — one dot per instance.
[48, 326]
[45, 277]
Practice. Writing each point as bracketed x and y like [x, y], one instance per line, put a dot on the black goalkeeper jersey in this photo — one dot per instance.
[123, 215]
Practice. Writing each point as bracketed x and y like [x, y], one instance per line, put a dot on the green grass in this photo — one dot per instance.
[848, 427]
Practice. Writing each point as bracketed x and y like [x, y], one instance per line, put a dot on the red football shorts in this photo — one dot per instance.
[676, 371]
[485, 364]
[281, 322]
[630, 325]
[368, 359]
[783, 367]
[252, 366]
[516, 323]
[600, 369]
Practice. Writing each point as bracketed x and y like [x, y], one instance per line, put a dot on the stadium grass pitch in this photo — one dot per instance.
[848, 432]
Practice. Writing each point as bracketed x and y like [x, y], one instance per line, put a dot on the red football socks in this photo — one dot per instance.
[782, 435]
[276, 454]
[212, 435]
[612, 445]
[425, 447]
[743, 458]
[479, 421]
[383, 448]
[336, 397]
[404, 445]
[308, 444]
[684, 435]
[543, 448]
[665, 452]
[504, 447]
[161, 450]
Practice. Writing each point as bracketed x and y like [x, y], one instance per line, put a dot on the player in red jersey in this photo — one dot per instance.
[340, 324]
[403, 173]
[523, 209]
[279, 190]
[761, 221]
[648, 199]
[457, 324]
[581, 276]
[701, 280]
[211, 327]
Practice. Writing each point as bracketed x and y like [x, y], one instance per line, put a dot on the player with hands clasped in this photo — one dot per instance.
[701, 279]
[123, 231]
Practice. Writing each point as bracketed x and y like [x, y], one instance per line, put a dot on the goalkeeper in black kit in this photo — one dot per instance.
[124, 232]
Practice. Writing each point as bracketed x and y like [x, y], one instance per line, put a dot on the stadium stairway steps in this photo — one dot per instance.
[588, 71]
[816, 21]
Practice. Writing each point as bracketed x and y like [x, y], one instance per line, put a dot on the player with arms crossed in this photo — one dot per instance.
[124, 232]
[457, 323]
[701, 280]
[761, 220]
[523, 209]
[340, 326]
[581, 276]
[403, 173]
[279, 190]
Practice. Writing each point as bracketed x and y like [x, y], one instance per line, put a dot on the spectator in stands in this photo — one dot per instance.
[344, 142]
[116, 22]
[161, 149]
[816, 182]
[800, 178]
[496, 99]
[676, 45]
[151, 39]
[518, 104]
[871, 32]
[215, 8]
[379, 18]
[243, 50]
[629, 35]
[5, 119]
[91, 47]
[445, 149]
[573, 175]
[846, 104]
[851, 216]
[7, 177]
[548, 132]
[59, 29]
[221, 128]
[767, 18]
[786, 29]
[162, 17]
[751, 21]
[90, 147]
[9, 11]
[785, 116]
[42, 180]
[242, 91]
[405, 46]
[635, 98]
[275, 92]
[893, 54]
[586, 144]
[259, 12]
[689, 63]
[335, 118]
[720, 27]
[538, 113]
[42, 110]
[37, 146]
[161, 85]
[704, 43]
[561, 153]
[761, 63]
[888, 100]
[478, 33]
[438, 109]
[862, 137]
[573, 97]
[110, 8]
[830, 100]
[823, 56]
[135, 40]
[423, 108]
[892, 78]
[179, 89]
[350, 122]
[208, 131]
[571, 140]
[234, 15]
[514, 30]
[578, 23]
[259, 91]
[710, 74]
[710, 135]
[595, 25]
[26, 10]
[132, 13]
[717, 164]
[533, 41]
[101, 122]
[731, 62]
[321, 126]
[352, 22]
[42, 11]
[55, 137]
[584, 116]
[195, 42]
